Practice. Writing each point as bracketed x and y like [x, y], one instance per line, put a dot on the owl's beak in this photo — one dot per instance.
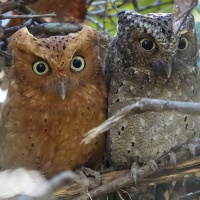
[163, 69]
[168, 69]
[62, 89]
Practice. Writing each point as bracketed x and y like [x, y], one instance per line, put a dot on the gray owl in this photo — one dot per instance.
[145, 59]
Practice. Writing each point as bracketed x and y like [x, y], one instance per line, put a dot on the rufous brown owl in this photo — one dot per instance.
[56, 93]
[146, 59]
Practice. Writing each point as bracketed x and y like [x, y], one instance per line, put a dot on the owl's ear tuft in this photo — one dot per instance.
[90, 33]
[122, 15]
[21, 39]
[123, 12]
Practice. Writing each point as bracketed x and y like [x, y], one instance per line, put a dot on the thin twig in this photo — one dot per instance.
[101, 11]
[13, 4]
[114, 6]
[4, 44]
[104, 17]
[186, 12]
[181, 11]
[135, 5]
[26, 16]
[16, 28]
[9, 6]
[27, 10]
[89, 2]
[99, 25]
[144, 105]
[5, 54]
[154, 5]
[97, 3]
[190, 195]
[166, 9]
[98, 12]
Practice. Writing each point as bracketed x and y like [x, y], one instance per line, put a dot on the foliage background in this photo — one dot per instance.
[143, 7]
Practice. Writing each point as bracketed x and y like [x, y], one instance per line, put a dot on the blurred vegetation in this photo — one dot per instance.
[109, 20]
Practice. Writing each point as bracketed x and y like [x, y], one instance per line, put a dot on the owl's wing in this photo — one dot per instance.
[4, 113]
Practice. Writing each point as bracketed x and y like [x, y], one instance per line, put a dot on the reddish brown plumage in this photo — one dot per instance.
[39, 130]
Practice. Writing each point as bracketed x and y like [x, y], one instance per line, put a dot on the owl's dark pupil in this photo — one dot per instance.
[147, 44]
[182, 43]
[41, 67]
[77, 63]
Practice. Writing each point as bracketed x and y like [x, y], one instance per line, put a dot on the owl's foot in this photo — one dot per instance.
[172, 157]
[134, 168]
[93, 173]
[153, 164]
[191, 148]
[84, 179]
[84, 173]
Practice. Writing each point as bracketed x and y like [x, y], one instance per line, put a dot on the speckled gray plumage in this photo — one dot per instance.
[134, 72]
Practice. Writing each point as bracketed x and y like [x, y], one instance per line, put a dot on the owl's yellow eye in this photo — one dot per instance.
[78, 63]
[183, 43]
[40, 67]
[147, 44]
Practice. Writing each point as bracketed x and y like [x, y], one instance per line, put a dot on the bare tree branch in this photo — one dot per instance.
[143, 105]
[5, 54]
[114, 6]
[16, 28]
[157, 4]
[135, 4]
[13, 4]
[26, 16]
[190, 195]
[61, 28]
[97, 3]
[27, 10]
[181, 11]
[99, 25]
[115, 180]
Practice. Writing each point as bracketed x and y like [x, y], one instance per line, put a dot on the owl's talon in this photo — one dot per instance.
[153, 165]
[172, 156]
[134, 168]
[93, 173]
[84, 179]
[192, 149]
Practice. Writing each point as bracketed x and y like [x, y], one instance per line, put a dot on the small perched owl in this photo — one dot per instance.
[56, 93]
[146, 59]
